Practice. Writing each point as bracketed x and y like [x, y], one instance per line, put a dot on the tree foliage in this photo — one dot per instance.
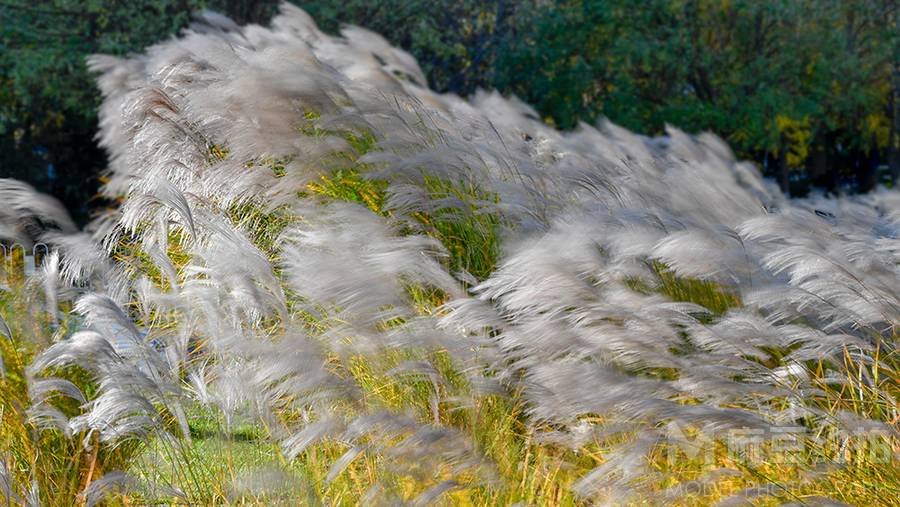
[801, 86]
[807, 88]
[48, 99]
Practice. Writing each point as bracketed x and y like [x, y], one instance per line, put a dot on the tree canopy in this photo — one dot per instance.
[807, 88]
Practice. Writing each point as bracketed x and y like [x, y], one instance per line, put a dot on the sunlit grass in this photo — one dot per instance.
[222, 465]
[520, 467]
[240, 463]
[42, 464]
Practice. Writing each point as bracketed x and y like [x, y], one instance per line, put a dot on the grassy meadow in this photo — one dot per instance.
[322, 283]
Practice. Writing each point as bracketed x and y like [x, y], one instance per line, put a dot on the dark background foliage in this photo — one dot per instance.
[806, 88]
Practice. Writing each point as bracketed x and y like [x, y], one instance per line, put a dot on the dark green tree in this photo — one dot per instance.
[456, 42]
[48, 99]
[804, 87]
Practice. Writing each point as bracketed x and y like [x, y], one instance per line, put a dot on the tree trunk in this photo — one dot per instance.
[818, 162]
[894, 163]
[869, 169]
[893, 142]
[862, 164]
[784, 180]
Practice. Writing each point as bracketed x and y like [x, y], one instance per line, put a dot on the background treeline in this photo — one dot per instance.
[810, 89]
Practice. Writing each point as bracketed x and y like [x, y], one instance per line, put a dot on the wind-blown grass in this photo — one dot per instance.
[42, 467]
[325, 283]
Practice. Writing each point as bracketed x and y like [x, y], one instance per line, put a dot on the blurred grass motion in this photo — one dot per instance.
[528, 471]
[324, 283]
[58, 465]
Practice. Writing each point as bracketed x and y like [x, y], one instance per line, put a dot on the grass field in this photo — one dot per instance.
[322, 284]
[236, 462]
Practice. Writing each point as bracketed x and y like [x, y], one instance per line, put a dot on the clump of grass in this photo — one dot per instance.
[349, 185]
[714, 297]
[38, 465]
[470, 233]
